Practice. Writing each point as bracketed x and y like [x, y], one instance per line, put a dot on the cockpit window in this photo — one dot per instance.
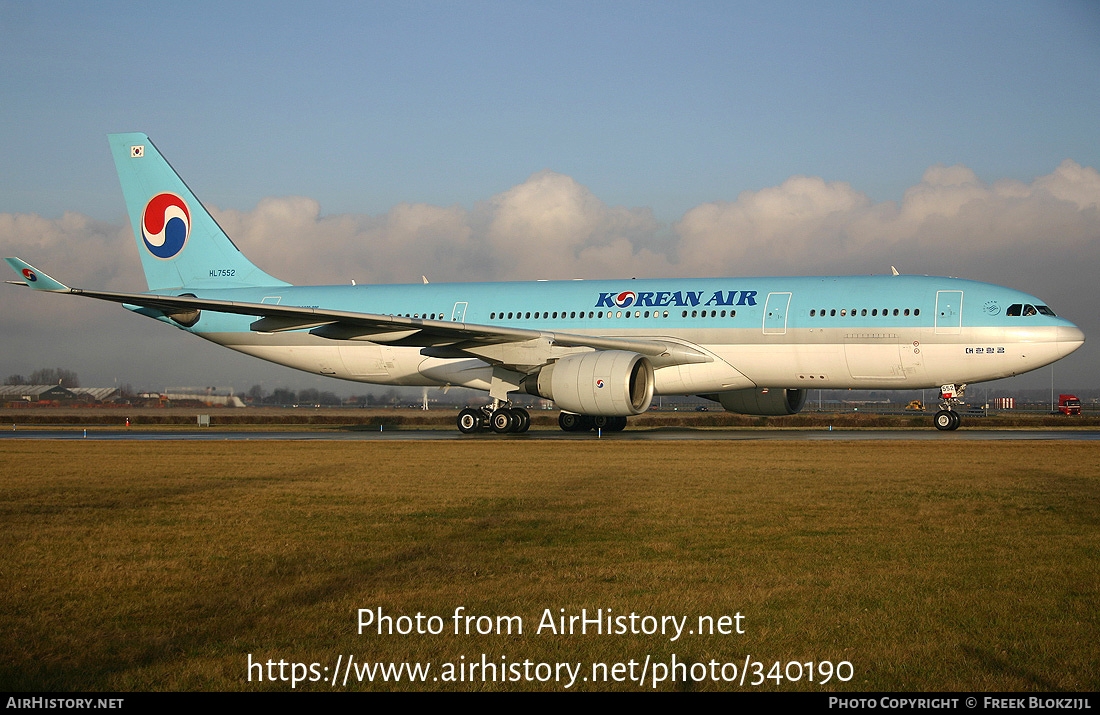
[1026, 309]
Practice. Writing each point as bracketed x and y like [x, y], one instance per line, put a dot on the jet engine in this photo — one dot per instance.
[761, 401]
[604, 382]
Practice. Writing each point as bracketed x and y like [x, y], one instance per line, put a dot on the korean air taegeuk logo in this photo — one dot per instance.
[165, 225]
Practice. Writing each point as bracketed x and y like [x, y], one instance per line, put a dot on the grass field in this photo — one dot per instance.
[925, 565]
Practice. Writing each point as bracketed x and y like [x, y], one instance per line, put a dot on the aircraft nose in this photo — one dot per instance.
[1069, 338]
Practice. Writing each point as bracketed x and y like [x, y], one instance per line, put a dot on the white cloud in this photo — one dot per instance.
[74, 245]
[547, 227]
[288, 237]
[798, 223]
[948, 223]
[1072, 182]
[552, 227]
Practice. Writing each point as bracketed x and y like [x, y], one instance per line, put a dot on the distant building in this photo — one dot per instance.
[56, 393]
[211, 396]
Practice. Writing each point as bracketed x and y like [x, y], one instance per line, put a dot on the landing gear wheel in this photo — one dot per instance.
[570, 422]
[469, 421]
[523, 419]
[605, 423]
[503, 421]
[947, 420]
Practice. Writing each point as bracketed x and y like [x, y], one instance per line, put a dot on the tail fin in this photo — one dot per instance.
[180, 243]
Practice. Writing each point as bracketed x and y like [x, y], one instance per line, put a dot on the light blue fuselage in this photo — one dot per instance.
[800, 332]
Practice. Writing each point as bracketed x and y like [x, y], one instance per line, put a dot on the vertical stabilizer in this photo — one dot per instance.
[180, 243]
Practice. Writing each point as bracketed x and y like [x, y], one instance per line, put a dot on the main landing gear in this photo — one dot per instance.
[950, 396]
[502, 420]
[571, 422]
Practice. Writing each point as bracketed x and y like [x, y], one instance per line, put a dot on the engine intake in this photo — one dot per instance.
[605, 382]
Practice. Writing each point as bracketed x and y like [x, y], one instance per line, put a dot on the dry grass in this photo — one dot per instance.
[928, 566]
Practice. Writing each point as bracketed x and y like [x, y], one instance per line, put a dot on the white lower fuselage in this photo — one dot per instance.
[913, 359]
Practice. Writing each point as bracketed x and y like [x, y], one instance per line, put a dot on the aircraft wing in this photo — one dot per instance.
[438, 338]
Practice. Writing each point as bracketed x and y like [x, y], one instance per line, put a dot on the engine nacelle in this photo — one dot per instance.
[605, 382]
[761, 400]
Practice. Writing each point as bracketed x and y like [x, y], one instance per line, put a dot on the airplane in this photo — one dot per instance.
[600, 350]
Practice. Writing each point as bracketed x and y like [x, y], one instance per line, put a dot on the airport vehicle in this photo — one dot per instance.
[599, 349]
[1069, 405]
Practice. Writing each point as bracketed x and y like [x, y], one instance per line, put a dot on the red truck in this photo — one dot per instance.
[1069, 405]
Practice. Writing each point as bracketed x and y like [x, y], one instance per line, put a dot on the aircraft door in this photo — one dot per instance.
[775, 313]
[459, 313]
[949, 312]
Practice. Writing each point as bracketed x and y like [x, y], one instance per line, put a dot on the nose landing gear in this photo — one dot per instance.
[947, 419]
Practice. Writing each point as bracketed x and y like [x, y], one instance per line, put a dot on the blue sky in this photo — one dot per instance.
[364, 105]
[656, 107]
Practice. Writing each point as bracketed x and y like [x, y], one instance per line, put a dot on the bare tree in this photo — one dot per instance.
[54, 376]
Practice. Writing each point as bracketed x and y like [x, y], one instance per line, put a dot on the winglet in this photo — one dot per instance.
[35, 278]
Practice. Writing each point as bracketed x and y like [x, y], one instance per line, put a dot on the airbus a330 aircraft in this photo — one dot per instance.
[599, 349]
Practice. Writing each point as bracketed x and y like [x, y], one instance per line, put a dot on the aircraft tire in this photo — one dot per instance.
[570, 422]
[503, 421]
[523, 419]
[946, 420]
[469, 421]
[605, 423]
